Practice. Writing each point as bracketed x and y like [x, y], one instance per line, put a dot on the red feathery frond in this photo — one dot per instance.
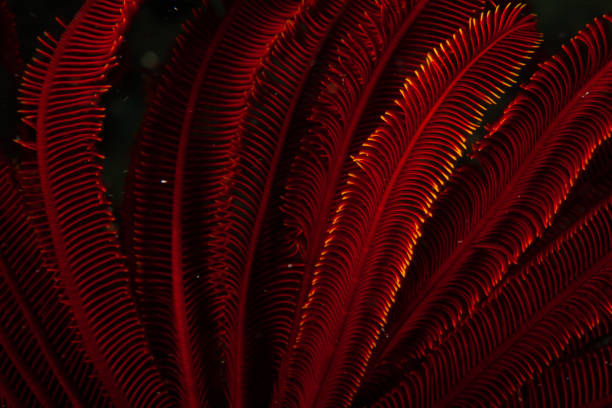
[557, 303]
[492, 212]
[66, 197]
[401, 168]
[495, 209]
[374, 48]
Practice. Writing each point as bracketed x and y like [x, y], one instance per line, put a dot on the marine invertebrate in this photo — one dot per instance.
[312, 218]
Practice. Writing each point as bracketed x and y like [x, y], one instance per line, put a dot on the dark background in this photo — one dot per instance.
[150, 40]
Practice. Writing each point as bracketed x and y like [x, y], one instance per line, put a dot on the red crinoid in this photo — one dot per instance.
[313, 216]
